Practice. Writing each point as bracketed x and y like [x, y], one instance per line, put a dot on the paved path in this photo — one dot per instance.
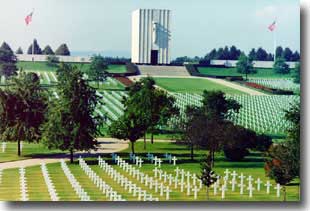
[107, 145]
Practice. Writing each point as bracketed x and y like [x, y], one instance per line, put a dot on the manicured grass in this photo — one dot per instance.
[42, 66]
[252, 165]
[29, 150]
[261, 72]
[193, 85]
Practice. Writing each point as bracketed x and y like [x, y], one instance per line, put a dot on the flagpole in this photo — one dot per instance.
[274, 45]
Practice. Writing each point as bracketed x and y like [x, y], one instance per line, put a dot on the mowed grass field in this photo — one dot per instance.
[193, 85]
[261, 72]
[252, 165]
[42, 66]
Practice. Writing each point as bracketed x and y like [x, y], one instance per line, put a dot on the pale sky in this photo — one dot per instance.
[105, 25]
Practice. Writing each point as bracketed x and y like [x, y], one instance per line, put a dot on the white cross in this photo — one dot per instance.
[137, 160]
[155, 170]
[155, 160]
[175, 182]
[188, 174]
[167, 193]
[165, 175]
[223, 189]
[268, 185]
[170, 177]
[241, 185]
[177, 170]
[278, 188]
[241, 177]
[234, 174]
[195, 189]
[233, 184]
[159, 161]
[188, 192]
[161, 189]
[214, 188]
[227, 173]
[250, 179]
[174, 159]
[258, 182]
[140, 161]
[250, 188]
[194, 179]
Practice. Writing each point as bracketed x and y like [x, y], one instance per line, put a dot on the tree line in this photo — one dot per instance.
[233, 53]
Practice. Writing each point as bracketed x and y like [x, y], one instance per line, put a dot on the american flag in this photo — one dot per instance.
[28, 18]
[272, 26]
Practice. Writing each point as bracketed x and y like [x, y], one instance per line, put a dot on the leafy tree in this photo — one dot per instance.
[7, 61]
[48, 50]
[98, 69]
[36, 49]
[63, 50]
[52, 60]
[279, 52]
[208, 176]
[297, 73]
[211, 55]
[270, 57]
[245, 66]
[219, 54]
[71, 122]
[226, 53]
[280, 66]
[261, 54]
[22, 110]
[287, 54]
[19, 51]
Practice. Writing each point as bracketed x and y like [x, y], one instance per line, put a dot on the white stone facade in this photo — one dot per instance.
[151, 36]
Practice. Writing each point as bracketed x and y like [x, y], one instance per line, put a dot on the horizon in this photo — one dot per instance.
[107, 28]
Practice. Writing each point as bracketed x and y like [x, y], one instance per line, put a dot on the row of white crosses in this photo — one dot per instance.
[23, 184]
[50, 186]
[106, 189]
[250, 187]
[82, 194]
[3, 146]
[124, 181]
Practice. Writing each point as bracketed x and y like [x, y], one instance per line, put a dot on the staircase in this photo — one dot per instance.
[162, 70]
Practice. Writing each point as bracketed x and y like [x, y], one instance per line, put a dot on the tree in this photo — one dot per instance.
[36, 49]
[287, 54]
[284, 163]
[295, 56]
[245, 66]
[71, 123]
[297, 73]
[261, 54]
[48, 50]
[19, 51]
[98, 69]
[234, 53]
[280, 66]
[22, 110]
[63, 50]
[208, 176]
[252, 54]
[7, 61]
[52, 61]
[279, 52]
[211, 55]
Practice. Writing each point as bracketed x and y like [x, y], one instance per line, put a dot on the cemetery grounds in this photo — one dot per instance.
[164, 170]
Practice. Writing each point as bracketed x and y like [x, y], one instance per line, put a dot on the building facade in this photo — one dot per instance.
[151, 36]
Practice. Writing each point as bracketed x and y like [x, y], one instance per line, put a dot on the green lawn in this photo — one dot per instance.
[193, 85]
[251, 165]
[29, 150]
[261, 72]
[42, 66]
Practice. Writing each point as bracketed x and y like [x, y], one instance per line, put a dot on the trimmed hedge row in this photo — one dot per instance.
[268, 89]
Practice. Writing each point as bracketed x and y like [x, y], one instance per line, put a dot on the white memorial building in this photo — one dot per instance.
[151, 36]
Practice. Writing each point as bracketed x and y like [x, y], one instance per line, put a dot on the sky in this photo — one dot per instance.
[198, 26]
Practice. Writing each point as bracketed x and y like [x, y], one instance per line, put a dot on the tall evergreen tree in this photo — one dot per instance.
[19, 51]
[48, 50]
[63, 50]
[7, 61]
[279, 52]
[287, 54]
[36, 48]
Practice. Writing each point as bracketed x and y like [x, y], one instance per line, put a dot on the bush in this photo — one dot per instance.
[235, 153]
[280, 66]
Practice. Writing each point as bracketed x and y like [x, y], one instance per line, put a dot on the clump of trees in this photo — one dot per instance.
[97, 70]
[7, 61]
[48, 50]
[71, 123]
